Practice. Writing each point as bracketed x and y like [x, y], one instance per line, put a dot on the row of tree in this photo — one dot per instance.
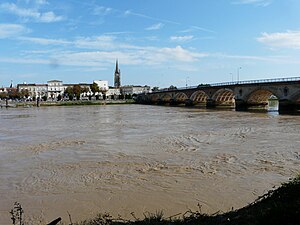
[71, 93]
[14, 94]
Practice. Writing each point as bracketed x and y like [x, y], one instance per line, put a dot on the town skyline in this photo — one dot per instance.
[155, 44]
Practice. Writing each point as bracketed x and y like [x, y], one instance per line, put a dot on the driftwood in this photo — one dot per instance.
[54, 222]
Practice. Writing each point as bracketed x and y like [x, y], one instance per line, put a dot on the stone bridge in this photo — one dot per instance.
[241, 96]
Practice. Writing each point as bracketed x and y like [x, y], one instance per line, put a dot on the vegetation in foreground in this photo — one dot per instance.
[278, 207]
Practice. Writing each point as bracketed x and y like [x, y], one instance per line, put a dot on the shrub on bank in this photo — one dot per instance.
[277, 207]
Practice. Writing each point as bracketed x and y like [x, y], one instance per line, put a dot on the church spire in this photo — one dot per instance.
[117, 66]
[117, 77]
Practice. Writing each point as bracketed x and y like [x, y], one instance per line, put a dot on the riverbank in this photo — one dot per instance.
[74, 103]
[279, 206]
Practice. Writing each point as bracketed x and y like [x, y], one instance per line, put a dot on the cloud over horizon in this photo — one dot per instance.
[288, 39]
[12, 30]
[262, 3]
[31, 13]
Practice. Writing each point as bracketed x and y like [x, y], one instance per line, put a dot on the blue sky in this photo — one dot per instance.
[157, 42]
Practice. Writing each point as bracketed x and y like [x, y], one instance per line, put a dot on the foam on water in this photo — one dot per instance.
[124, 159]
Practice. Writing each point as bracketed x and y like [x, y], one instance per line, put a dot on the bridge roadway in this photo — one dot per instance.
[239, 95]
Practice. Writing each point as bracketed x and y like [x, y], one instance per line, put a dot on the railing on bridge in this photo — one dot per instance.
[274, 80]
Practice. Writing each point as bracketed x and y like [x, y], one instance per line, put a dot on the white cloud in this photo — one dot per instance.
[101, 50]
[13, 8]
[99, 42]
[102, 11]
[196, 28]
[180, 54]
[31, 13]
[289, 39]
[49, 17]
[145, 56]
[156, 26]
[131, 13]
[262, 3]
[272, 58]
[24, 61]
[12, 30]
[41, 2]
[45, 41]
[181, 38]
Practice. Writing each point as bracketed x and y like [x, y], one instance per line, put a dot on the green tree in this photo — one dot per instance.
[77, 91]
[24, 93]
[3, 95]
[172, 87]
[14, 94]
[70, 92]
[95, 88]
[155, 88]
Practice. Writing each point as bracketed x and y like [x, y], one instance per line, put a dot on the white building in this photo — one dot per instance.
[55, 88]
[131, 89]
[34, 90]
[3, 90]
[113, 92]
[102, 84]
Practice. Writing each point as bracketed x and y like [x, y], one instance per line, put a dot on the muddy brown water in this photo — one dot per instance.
[134, 158]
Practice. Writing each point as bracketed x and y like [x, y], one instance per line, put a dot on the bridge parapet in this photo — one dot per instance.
[240, 95]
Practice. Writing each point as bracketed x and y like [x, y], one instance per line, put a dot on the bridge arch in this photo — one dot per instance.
[181, 97]
[224, 97]
[296, 97]
[261, 96]
[199, 97]
[166, 98]
[154, 98]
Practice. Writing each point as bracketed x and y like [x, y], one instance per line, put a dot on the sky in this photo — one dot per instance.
[157, 42]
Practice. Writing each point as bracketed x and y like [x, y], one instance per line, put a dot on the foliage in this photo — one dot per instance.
[17, 214]
[14, 94]
[69, 91]
[155, 88]
[95, 88]
[77, 91]
[277, 207]
[44, 98]
[172, 87]
[3, 95]
[203, 85]
[24, 93]
[128, 96]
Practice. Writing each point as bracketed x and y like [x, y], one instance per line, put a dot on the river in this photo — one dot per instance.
[136, 158]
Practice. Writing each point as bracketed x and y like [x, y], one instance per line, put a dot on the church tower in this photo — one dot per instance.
[117, 76]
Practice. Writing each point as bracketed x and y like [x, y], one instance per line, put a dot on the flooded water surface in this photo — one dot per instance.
[134, 158]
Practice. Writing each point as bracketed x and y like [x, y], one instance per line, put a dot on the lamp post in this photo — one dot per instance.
[231, 75]
[186, 82]
[238, 74]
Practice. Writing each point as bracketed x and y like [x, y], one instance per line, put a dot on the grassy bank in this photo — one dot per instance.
[277, 207]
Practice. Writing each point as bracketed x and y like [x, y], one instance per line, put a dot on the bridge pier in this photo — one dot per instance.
[174, 102]
[288, 107]
[240, 105]
[210, 103]
[189, 102]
